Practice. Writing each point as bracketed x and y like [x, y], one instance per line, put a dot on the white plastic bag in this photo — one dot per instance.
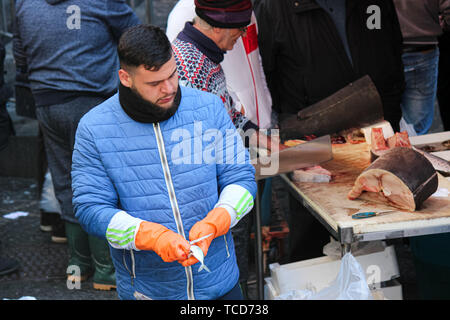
[48, 201]
[350, 284]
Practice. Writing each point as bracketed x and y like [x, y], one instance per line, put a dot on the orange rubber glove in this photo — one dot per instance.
[217, 222]
[170, 246]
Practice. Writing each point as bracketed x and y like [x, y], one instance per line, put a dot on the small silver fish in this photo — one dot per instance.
[197, 252]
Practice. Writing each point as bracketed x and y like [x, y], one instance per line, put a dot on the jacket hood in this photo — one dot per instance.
[52, 2]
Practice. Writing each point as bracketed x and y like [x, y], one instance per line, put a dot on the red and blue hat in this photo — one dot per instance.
[225, 13]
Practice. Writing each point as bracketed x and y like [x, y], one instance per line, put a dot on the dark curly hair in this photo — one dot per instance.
[145, 45]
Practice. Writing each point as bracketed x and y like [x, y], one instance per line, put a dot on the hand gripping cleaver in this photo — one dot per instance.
[304, 155]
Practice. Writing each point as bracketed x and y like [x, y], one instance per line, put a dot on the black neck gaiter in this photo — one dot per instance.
[141, 110]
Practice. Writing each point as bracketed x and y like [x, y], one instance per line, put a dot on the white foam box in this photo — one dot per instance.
[430, 138]
[319, 273]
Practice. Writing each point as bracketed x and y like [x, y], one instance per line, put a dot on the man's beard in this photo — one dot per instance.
[156, 108]
[142, 110]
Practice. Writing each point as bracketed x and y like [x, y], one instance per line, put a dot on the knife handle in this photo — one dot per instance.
[363, 215]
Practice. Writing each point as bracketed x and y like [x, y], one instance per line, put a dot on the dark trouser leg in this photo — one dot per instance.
[443, 91]
[59, 124]
[306, 235]
[241, 237]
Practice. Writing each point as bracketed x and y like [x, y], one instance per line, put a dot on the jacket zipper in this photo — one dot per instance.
[133, 266]
[173, 202]
[132, 272]
[226, 245]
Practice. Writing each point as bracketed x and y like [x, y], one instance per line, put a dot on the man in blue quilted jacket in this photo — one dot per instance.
[156, 167]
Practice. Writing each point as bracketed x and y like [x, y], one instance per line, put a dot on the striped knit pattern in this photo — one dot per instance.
[196, 70]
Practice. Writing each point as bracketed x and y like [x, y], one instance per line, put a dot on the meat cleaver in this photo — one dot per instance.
[304, 155]
[356, 105]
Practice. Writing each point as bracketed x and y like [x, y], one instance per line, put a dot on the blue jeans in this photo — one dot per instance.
[421, 70]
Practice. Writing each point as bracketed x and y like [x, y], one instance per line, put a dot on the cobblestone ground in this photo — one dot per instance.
[42, 262]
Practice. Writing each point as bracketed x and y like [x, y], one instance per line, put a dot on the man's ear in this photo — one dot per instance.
[125, 78]
[217, 35]
[217, 31]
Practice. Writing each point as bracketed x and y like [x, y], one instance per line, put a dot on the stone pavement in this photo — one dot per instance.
[42, 262]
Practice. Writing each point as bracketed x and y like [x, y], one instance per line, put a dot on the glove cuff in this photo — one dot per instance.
[220, 220]
[148, 235]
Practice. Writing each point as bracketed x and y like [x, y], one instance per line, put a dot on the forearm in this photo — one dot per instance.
[237, 200]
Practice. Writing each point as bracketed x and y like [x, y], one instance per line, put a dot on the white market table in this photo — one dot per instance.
[329, 204]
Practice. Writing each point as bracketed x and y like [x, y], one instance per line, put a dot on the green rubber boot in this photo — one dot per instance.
[80, 267]
[105, 274]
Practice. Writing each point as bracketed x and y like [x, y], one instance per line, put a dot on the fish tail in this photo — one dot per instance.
[203, 266]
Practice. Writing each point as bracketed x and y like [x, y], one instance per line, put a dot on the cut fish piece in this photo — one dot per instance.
[354, 135]
[378, 145]
[384, 125]
[377, 139]
[399, 139]
[337, 139]
[293, 142]
[401, 177]
[311, 174]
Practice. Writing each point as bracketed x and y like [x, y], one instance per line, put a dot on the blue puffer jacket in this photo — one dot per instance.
[117, 166]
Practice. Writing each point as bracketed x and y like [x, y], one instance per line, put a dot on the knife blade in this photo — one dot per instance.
[301, 156]
[200, 239]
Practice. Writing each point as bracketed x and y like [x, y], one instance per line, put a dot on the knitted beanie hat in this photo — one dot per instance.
[225, 13]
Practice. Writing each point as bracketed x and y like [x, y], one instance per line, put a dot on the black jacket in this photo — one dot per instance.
[6, 125]
[305, 61]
